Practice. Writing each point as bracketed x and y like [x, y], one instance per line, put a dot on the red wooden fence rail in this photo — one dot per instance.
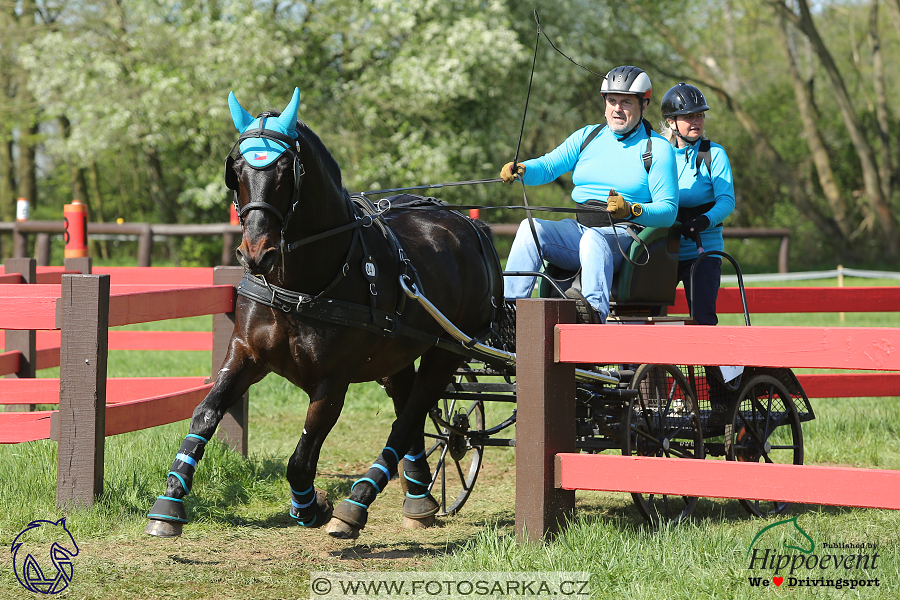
[83, 308]
[800, 300]
[540, 506]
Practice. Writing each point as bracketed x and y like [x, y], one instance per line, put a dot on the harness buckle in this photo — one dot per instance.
[303, 300]
[345, 269]
[372, 289]
[392, 322]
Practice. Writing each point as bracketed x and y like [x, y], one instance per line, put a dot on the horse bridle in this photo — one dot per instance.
[292, 147]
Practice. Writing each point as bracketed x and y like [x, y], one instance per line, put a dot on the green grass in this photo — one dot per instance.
[240, 543]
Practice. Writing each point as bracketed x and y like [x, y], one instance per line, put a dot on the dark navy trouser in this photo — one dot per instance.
[707, 277]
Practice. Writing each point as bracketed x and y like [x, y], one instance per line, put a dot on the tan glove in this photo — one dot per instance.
[617, 205]
[507, 175]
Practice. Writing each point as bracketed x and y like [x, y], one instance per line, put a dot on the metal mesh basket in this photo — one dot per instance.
[505, 337]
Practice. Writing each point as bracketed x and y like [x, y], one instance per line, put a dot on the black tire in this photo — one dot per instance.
[663, 420]
[458, 460]
[764, 426]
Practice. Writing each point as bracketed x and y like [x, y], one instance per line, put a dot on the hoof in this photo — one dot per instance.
[324, 509]
[347, 520]
[420, 508]
[166, 529]
[424, 523]
[343, 531]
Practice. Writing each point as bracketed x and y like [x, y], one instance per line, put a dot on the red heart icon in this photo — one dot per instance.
[778, 580]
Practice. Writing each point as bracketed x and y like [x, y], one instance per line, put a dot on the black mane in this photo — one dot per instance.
[321, 151]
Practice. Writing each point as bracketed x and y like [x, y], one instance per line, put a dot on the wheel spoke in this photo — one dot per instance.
[645, 413]
[769, 398]
[671, 396]
[462, 477]
[680, 426]
[656, 418]
[679, 453]
[644, 434]
[440, 442]
[751, 428]
[438, 468]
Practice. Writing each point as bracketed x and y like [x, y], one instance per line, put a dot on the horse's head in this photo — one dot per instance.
[266, 175]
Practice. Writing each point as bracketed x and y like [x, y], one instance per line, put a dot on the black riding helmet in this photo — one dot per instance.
[683, 99]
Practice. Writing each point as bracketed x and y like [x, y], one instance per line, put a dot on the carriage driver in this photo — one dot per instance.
[613, 166]
[706, 196]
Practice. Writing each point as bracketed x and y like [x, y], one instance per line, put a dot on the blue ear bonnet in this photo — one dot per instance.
[266, 137]
[259, 151]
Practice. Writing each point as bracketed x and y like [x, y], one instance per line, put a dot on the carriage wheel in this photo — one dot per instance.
[764, 427]
[663, 420]
[458, 459]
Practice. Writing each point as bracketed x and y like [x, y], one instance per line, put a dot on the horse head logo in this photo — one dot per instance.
[807, 545]
[33, 570]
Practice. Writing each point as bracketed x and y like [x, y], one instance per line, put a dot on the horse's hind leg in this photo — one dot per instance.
[419, 507]
[168, 515]
[435, 372]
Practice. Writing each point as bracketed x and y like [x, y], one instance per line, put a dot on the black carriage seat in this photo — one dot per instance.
[644, 290]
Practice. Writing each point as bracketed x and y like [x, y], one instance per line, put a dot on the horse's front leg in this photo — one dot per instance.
[238, 373]
[310, 507]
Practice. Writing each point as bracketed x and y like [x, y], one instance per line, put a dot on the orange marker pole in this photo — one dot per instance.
[75, 215]
[474, 213]
[235, 219]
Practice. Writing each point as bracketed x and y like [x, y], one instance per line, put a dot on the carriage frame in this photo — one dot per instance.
[677, 411]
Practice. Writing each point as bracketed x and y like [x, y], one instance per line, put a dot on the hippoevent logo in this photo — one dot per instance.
[783, 554]
[44, 568]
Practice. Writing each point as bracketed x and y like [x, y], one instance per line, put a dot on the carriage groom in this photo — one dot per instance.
[623, 162]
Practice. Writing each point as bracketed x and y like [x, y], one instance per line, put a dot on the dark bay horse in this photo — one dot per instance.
[320, 305]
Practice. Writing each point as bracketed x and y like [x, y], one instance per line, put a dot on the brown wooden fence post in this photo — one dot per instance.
[145, 246]
[228, 248]
[42, 249]
[783, 253]
[233, 428]
[20, 243]
[84, 321]
[22, 340]
[545, 422]
[82, 264]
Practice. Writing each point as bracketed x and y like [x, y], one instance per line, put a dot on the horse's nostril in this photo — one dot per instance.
[267, 260]
[241, 258]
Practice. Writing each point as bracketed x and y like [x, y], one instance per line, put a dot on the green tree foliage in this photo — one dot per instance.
[406, 92]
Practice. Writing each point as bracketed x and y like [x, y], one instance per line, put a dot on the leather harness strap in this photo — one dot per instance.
[349, 314]
[338, 312]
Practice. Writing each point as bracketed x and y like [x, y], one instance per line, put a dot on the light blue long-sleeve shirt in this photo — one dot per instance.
[612, 163]
[713, 184]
